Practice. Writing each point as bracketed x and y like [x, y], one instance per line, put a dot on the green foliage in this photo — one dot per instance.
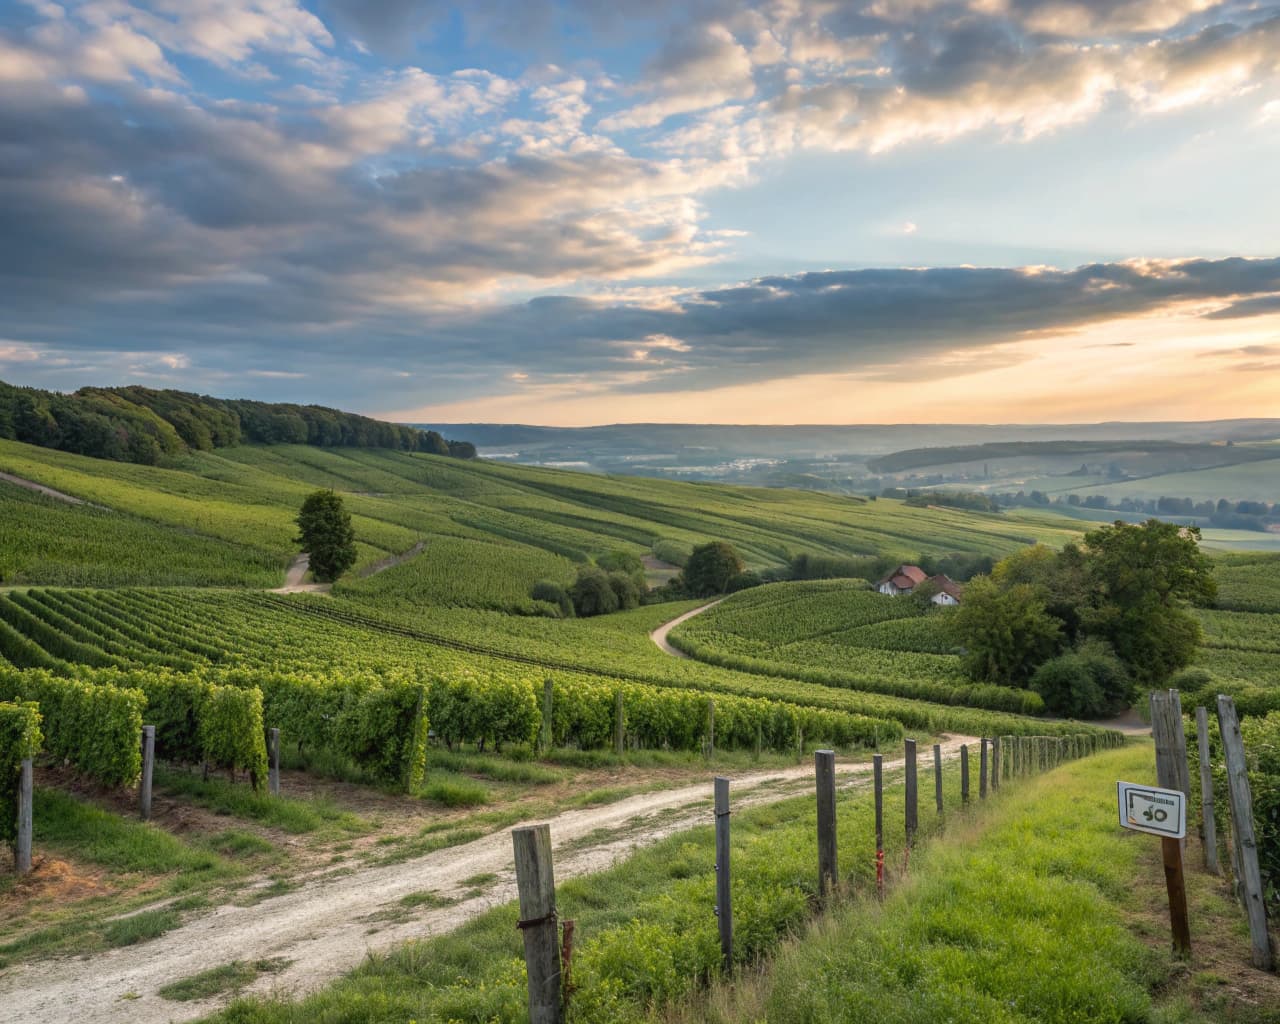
[710, 567]
[553, 594]
[96, 729]
[385, 732]
[1007, 633]
[136, 424]
[325, 533]
[1089, 682]
[20, 739]
[593, 593]
[231, 733]
[808, 566]
[1261, 738]
[743, 581]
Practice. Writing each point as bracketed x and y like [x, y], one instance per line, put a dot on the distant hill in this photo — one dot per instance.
[1198, 456]
[137, 424]
[869, 440]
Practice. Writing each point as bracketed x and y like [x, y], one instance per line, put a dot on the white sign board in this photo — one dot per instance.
[1162, 812]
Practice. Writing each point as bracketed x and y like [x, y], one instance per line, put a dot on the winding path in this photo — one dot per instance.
[326, 928]
[659, 635]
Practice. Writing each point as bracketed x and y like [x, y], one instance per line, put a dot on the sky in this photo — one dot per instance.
[591, 211]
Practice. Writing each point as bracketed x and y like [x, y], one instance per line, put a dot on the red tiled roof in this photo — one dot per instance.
[947, 585]
[904, 577]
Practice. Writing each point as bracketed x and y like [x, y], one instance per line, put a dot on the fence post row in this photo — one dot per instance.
[724, 902]
[148, 768]
[26, 786]
[1242, 827]
[911, 815]
[535, 880]
[273, 763]
[1208, 827]
[825, 777]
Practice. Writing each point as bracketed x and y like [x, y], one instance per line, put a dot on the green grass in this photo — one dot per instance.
[227, 978]
[286, 813]
[140, 927]
[71, 827]
[457, 791]
[1022, 922]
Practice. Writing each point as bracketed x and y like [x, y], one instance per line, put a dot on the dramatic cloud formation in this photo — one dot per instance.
[401, 204]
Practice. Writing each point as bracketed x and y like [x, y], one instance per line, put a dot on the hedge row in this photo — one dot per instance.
[19, 739]
[95, 729]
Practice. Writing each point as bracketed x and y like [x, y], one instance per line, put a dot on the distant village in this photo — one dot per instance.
[906, 578]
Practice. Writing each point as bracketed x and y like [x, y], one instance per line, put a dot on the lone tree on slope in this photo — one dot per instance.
[325, 533]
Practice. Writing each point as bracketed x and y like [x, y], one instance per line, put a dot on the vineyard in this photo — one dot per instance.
[430, 676]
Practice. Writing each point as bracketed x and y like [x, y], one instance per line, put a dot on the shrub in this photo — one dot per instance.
[625, 590]
[1068, 687]
[592, 593]
[554, 594]
[710, 567]
[743, 581]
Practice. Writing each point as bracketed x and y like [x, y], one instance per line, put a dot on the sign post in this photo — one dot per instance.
[1163, 813]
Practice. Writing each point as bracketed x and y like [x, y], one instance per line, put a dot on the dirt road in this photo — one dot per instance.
[48, 492]
[325, 928]
[659, 635]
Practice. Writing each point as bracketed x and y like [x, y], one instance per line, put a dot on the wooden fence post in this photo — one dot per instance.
[724, 900]
[1208, 827]
[825, 774]
[995, 763]
[26, 787]
[877, 774]
[619, 730]
[937, 776]
[535, 880]
[912, 819]
[547, 737]
[982, 770]
[148, 767]
[1242, 828]
[1170, 740]
[273, 762]
[964, 773]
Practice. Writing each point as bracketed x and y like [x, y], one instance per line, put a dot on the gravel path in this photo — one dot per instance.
[659, 635]
[327, 927]
[48, 492]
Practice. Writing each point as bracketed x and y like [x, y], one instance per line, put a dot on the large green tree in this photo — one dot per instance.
[1006, 631]
[325, 533]
[710, 568]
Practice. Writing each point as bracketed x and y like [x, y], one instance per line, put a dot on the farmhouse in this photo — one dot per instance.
[905, 578]
[902, 580]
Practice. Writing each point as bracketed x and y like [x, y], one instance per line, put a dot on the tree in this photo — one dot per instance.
[1140, 579]
[325, 533]
[593, 593]
[710, 567]
[1007, 633]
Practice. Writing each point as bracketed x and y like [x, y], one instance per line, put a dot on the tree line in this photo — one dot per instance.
[137, 424]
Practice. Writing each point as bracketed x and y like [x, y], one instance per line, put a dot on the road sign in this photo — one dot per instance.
[1162, 812]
